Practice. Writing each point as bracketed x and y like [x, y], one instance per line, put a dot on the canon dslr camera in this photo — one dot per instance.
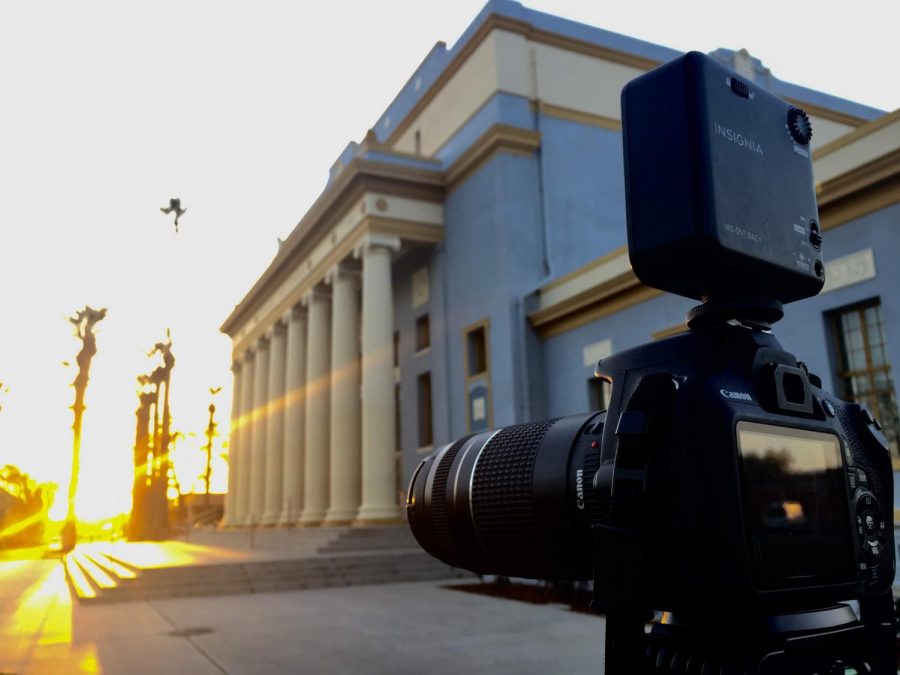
[722, 485]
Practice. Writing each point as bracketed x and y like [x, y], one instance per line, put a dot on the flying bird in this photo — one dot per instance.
[174, 207]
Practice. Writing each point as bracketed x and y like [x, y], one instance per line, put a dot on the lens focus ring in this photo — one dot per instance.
[502, 492]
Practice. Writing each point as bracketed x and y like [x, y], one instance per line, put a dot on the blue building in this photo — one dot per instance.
[465, 268]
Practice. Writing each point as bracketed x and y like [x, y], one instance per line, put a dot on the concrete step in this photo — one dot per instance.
[331, 565]
[83, 589]
[266, 538]
[95, 574]
[272, 586]
[114, 569]
[368, 539]
[323, 571]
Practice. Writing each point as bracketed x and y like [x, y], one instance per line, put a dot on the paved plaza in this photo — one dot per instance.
[419, 627]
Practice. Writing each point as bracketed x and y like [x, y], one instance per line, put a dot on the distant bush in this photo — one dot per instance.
[23, 507]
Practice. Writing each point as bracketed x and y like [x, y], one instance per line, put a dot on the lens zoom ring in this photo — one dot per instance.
[439, 515]
[502, 491]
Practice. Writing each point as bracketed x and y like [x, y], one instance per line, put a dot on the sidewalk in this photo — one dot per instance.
[399, 628]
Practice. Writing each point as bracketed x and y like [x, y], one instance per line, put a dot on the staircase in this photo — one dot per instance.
[334, 557]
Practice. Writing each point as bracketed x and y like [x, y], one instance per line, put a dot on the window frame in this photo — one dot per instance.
[841, 365]
[483, 375]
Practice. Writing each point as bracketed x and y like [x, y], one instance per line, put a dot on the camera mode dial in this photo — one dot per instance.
[799, 126]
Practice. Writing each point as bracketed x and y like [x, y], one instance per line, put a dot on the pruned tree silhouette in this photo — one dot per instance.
[85, 322]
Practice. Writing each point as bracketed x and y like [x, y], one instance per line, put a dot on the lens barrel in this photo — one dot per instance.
[516, 501]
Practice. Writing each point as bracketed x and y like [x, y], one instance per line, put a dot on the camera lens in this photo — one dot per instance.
[516, 501]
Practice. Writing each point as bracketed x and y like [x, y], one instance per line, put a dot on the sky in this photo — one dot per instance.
[239, 108]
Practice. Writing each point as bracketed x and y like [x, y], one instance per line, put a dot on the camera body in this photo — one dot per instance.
[762, 490]
[756, 486]
[719, 185]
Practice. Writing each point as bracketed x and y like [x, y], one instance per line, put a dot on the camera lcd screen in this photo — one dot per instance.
[795, 507]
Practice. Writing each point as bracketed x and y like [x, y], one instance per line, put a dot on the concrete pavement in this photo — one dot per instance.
[398, 628]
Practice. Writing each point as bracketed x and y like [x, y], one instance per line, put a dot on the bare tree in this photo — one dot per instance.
[84, 322]
[210, 434]
[149, 514]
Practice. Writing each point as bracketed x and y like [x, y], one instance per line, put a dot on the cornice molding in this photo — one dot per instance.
[583, 47]
[826, 113]
[620, 252]
[618, 293]
[382, 228]
[671, 331]
[498, 138]
[530, 32]
[572, 115]
[859, 178]
[358, 177]
[867, 188]
[860, 132]
[406, 230]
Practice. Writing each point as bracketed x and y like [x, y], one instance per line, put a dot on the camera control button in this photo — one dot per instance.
[873, 548]
[799, 126]
[874, 575]
[848, 457]
[828, 406]
[866, 415]
[852, 478]
[869, 524]
[816, 240]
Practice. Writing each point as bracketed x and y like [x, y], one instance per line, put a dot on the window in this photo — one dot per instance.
[476, 358]
[863, 370]
[426, 429]
[423, 333]
[598, 393]
[418, 142]
[476, 351]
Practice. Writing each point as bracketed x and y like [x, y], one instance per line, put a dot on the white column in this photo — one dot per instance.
[345, 460]
[258, 449]
[379, 442]
[228, 519]
[245, 440]
[294, 417]
[275, 425]
[318, 385]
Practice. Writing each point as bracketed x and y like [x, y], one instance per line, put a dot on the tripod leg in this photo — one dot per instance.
[877, 614]
[625, 644]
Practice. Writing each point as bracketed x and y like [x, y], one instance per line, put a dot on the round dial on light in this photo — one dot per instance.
[799, 126]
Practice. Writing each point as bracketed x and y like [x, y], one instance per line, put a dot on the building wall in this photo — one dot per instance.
[493, 257]
[583, 191]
